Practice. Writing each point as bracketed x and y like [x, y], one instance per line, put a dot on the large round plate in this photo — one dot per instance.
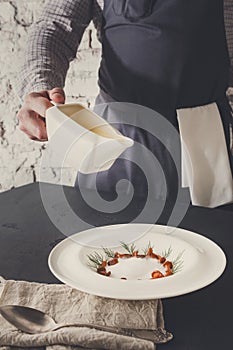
[203, 261]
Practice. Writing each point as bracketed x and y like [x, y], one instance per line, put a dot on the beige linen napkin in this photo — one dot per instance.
[205, 162]
[67, 305]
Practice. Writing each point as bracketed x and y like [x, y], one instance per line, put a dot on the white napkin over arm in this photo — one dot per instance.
[205, 161]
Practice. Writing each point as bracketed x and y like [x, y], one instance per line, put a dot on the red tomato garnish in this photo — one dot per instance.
[150, 251]
[168, 265]
[114, 261]
[104, 263]
[168, 273]
[162, 260]
[157, 274]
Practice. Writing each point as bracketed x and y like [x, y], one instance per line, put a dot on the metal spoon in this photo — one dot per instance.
[33, 321]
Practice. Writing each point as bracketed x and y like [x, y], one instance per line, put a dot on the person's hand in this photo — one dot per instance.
[32, 114]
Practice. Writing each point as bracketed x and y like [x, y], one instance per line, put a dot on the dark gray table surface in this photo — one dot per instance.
[202, 320]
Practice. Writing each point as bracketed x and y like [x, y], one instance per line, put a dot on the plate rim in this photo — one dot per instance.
[208, 282]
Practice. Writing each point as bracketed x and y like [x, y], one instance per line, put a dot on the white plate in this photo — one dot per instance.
[203, 261]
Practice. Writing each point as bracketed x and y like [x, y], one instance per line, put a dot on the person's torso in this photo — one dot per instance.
[164, 54]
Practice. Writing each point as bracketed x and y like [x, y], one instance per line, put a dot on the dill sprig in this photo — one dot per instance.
[109, 253]
[129, 248]
[96, 259]
[167, 252]
[178, 263]
[145, 250]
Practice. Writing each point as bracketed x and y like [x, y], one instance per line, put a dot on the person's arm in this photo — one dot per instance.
[52, 44]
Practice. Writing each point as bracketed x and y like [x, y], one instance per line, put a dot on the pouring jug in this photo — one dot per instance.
[91, 143]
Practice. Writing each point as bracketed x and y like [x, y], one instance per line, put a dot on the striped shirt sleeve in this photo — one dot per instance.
[52, 43]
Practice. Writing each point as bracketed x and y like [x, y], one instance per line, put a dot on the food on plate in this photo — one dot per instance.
[131, 265]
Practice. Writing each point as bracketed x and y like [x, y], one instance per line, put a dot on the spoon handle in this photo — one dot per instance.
[110, 329]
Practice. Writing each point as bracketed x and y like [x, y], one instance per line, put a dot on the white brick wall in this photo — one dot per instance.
[20, 157]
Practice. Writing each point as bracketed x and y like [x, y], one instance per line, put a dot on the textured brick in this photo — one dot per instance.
[20, 157]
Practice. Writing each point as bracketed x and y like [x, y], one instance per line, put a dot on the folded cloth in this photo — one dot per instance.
[67, 305]
[205, 162]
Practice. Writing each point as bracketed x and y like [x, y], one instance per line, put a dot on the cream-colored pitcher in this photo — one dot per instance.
[92, 144]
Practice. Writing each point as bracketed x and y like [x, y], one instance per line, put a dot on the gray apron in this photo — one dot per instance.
[164, 55]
